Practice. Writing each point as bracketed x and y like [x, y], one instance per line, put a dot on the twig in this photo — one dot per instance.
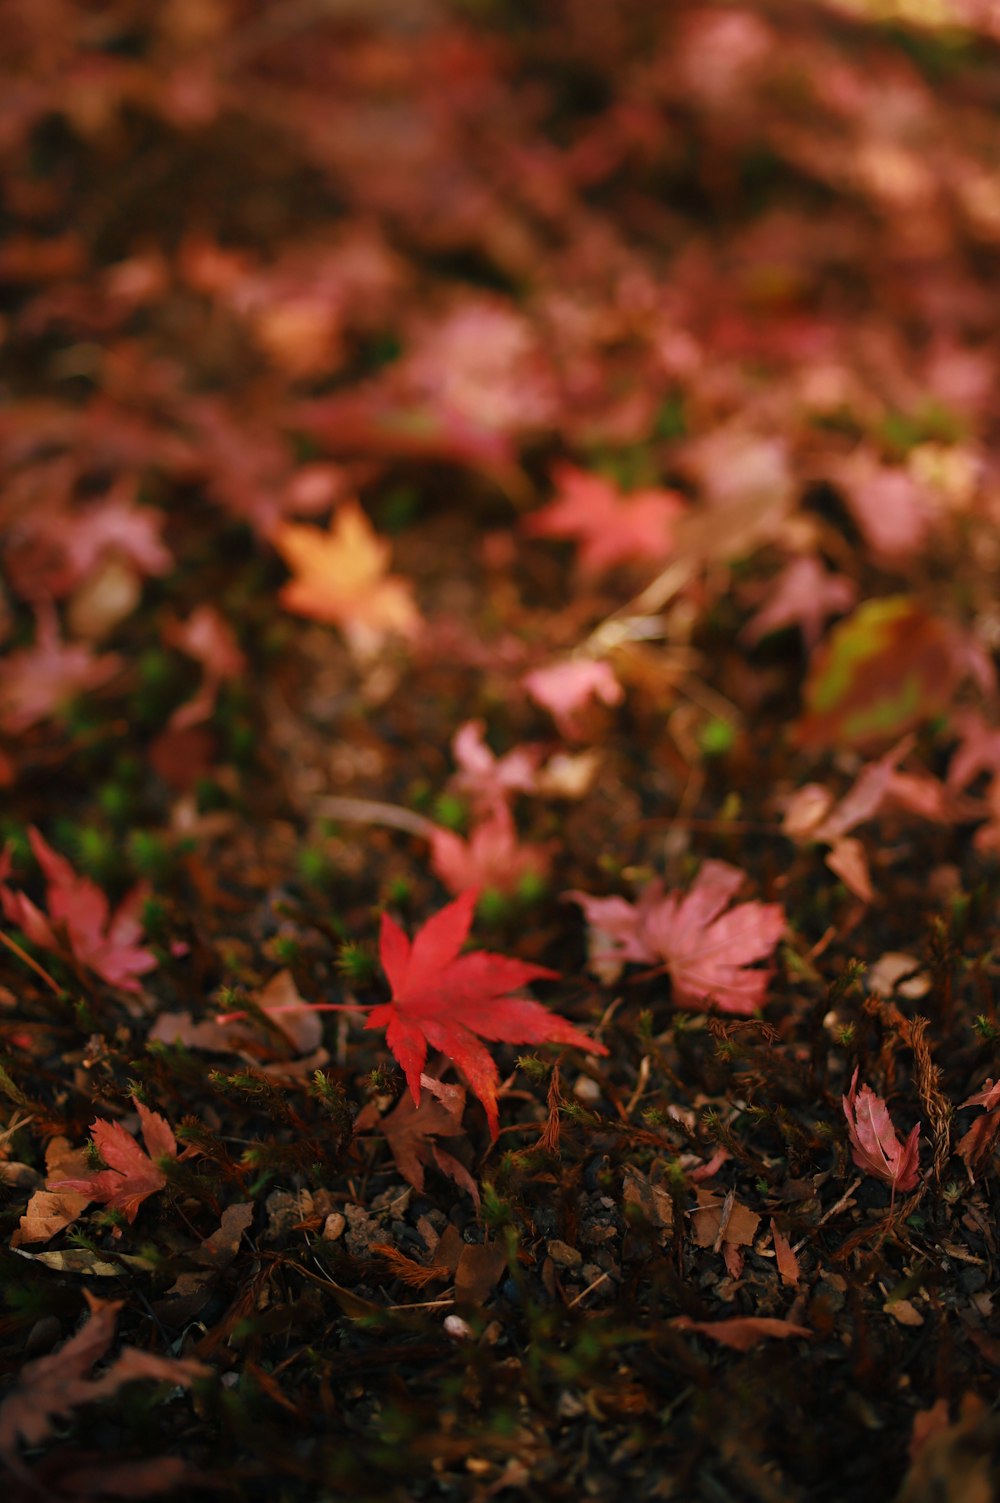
[367, 811]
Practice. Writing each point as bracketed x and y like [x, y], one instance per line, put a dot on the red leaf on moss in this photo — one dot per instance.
[131, 1175]
[104, 942]
[874, 1145]
[445, 1000]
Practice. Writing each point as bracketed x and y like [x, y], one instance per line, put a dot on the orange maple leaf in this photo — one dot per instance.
[340, 578]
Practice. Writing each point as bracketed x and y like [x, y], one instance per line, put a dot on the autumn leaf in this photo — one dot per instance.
[411, 1131]
[106, 944]
[743, 1331]
[564, 688]
[131, 1175]
[340, 578]
[880, 672]
[53, 1386]
[707, 951]
[492, 857]
[609, 528]
[874, 1145]
[449, 1001]
[38, 682]
[802, 595]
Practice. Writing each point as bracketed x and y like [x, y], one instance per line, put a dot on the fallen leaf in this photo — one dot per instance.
[707, 952]
[884, 669]
[788, 1263]
[608, 527]
[410, 1131]
[564, 688]
[874, 1145]
[803, 595]
[53, 1386]
[708, 1227]
[491, 858]
[131, 1175]
[743, 1331]
[339, 577]
[105, 943]
[451, 1002]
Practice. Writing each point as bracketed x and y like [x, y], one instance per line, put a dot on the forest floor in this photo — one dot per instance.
[500, 746]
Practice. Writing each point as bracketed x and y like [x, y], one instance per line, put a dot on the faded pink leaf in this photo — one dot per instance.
[875, 1147]
[53, 1386]
[485, 778]
[707, 951]
[803, 595]
[38, 682]
[564, 688]
[492, 857]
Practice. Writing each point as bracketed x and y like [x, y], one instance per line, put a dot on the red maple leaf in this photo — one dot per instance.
[706, 951]
[131, 1175]
[874, 1145]
[452, 1002]
[107, 944]
[610, 528]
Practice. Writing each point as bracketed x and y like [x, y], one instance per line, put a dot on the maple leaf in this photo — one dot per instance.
[874, 1145]
[410, 1132]
[104, 943]
[208, 638]
[491, 857]
[610, 528]
[564, 688]
[131, 1175]
[707, 952]
[452, 1002]
[974, 1145]
[487, 779]
[53, 1386]
[340, 578]
[803, 595]
[39, 681]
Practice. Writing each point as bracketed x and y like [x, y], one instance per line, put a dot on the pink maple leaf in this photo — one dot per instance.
[208, 638]
[487, 779]
[491, 857]
[874, 1145]
[803, 595]
[131, 1175]
[708, 952]
[564, 688]
[812, 814]
[39, 681]
[106, 944]
[609, 528]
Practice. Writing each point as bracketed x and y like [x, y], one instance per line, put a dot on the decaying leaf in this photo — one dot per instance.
[53, 1386]
[743, 1331]
[884, 669]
